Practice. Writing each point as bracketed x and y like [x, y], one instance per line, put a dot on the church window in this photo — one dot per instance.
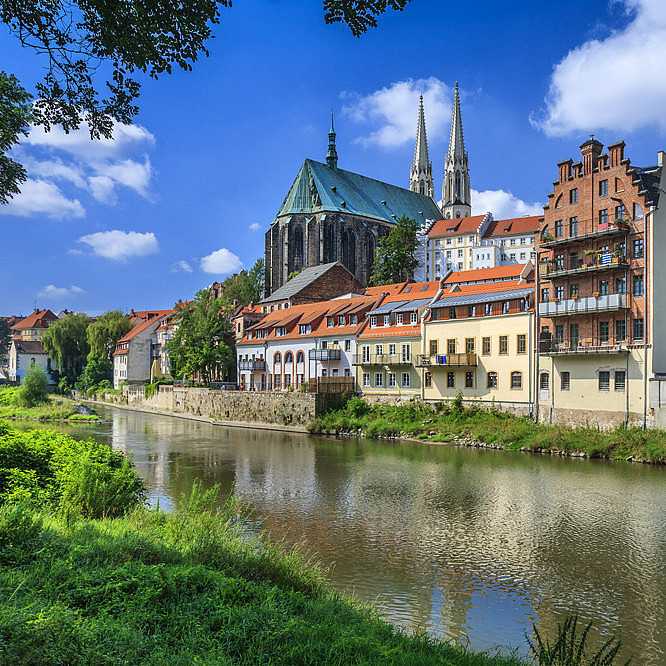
[298, 249]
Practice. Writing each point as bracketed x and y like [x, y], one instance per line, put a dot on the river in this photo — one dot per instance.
[470, 545]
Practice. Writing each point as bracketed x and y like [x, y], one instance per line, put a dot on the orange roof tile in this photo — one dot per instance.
[456, 225]
[498, 273]
[515, 226]
[37, 319]
[142, 326]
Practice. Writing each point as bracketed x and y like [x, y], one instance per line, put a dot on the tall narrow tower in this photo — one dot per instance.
[332, 154]
[420, 174]
[456, 199]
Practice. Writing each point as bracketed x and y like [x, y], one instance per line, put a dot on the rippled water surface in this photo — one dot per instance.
[471, 545]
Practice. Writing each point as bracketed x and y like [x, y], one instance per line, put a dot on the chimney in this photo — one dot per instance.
[660, 158]
[616, 153]
[565, 170]
[591, 150]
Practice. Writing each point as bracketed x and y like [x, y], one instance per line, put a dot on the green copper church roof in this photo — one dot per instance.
[319, 188]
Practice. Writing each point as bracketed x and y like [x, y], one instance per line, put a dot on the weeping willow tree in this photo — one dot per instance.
[66, 342]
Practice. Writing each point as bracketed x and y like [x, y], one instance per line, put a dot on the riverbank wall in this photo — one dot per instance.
[288, 411]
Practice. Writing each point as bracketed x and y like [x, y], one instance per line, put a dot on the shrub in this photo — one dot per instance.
[357, 407]
[34, 388]
[64, 387]
[20, 530]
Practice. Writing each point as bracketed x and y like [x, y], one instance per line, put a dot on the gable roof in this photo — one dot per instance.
[456, 225]
[299, 282]
[513, 226]
[499, 273]
[29, 347]
[320, 188]
[143, 325]
[37, 319]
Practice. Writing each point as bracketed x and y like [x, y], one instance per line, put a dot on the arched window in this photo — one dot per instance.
[516, 380]
[349, 250]
[329, 243]
[370, 249]
[297, 263]
[277, 359]
[300, 357]
[288, 358]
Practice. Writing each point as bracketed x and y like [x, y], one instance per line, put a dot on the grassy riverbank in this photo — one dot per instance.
[457, 424]
[54, 408]
[144, 586]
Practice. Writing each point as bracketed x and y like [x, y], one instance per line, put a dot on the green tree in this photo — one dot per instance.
[247, 286]
[66, 341]
[395, 258]
[97, 370]
[201, 340]
[34, 387]
[5, 337]
[88, 46]
[104, 333]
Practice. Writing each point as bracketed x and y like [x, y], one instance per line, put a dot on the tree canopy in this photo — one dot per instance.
[5, 337]
[395, 258]
[201, 340]
[104, 332]
[94, 52]
[247, 286]
[66, 341]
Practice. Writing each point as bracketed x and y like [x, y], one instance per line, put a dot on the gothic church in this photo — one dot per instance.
[330, 214]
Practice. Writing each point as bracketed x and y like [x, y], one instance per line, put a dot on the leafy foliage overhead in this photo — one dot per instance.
[359, 15]
[395, 258]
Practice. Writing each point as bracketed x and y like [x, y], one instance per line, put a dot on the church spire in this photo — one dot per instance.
[332, 154]
[420, 175]
[456, 199]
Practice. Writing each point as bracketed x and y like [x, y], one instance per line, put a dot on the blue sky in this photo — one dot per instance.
[185, 196]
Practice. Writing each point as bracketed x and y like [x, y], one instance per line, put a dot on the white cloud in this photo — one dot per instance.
[181, 267]
[605, 83]
[392, 110]
[42, 197]
[255, 226]
[121, 245]
[502, 204]
[96, 167]
[221, 262]
[53, 292]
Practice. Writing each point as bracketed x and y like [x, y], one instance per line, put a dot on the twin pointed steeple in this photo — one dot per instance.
[456, 197]
[420, 174]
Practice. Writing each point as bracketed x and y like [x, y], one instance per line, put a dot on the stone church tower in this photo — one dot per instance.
[456, 198]
[420, 175]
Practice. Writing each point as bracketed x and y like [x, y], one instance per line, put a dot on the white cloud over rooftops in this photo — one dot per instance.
[390, 113]
[121, 245]
[503, 204]
[221, 262]
[604, 83]
[52, 292]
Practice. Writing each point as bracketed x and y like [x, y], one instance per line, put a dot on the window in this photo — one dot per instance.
[428, 379]
[387, 320]
[450, 380]
[452, 313]
[342, 320]
[638, 212]
[304, 329]
[620, 380]
[287, 380]
[638, 248]
[604, 380]
[573, 196]
[451, 346]
[379, 350]
[300, 357]
[288, 358]
[573, 290]
[620, 330]
[469, 345]
[405, 380]
[544, 381]
[492, 380]
[573, 227]
[391, 349]
[373, 321]
[603, 332]
[505, 307]
[324, 344]
[521, 344]
[391, 379]
[621, 285]
[405, 352]
[485, 346]
[565, 381]
[365, 353]
[545, 294]
[469, 380]
[516, 380]
[603, 188]
[413, 320]
[277, 359]
[489, 309]
[559, 334]
[379, 379]
[330, 321]
[433, 347]
[603, 216]
[603, 287]
[460, 253]
[620, 212]
[558, 228]
[398, 318]
[471, 311]
[347, 345]
[513, 241]
[559, 292]
[354, 319]
[347, 372]
[503, 345]
[638, 285]
[638, 329]
[366, 379]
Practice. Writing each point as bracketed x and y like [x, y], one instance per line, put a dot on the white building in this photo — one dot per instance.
[25, 353]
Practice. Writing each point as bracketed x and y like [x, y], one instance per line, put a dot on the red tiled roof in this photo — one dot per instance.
[456, 225]
[142, 326]
[515, 226]
[500, 272]
[37, 319]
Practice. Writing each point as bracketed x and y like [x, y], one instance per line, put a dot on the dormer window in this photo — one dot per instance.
[387, 320]
[373, 321]
[354, 319]
[342, 320]
[413, 318]
[330, 321]
[398, 318]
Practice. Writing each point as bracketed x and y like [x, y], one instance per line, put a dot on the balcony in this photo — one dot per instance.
[447, 360]
[588, 230]
[582, 346]
[574, 306]
[258, 365]
[564, 266]
[380, 359]
[329, 354]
